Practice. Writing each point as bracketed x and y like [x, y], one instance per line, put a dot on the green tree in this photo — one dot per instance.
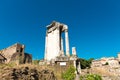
[69, 74]
[85, 63]
[106, 63]
[90, 60]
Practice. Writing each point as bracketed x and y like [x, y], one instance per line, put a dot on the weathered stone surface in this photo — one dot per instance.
[12, 52]
[16, 53]
[28, 74]
[27, 58]
[54, 43]
[111, 78]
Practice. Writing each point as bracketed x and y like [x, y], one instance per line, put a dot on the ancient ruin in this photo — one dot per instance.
[15, 53]
[2, 59]
[54, 47]
[54, 41]
[107, 61]
[27, 73]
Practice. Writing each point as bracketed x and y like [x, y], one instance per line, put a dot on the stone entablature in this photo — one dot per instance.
[56, 25]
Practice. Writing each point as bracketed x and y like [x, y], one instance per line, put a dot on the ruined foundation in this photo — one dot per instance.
[16, 53]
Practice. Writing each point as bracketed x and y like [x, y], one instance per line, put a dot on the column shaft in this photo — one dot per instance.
[46, 41]
[62, 48]
[67, 43]
[61, 43]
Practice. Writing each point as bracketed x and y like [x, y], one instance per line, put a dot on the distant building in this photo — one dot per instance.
[113, 63]
[110, 61]
[16, 53]
[96, 63]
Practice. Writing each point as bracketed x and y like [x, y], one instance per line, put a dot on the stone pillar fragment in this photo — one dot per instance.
[79, 67]
[74, 63]
[73, 51]
[119, 56]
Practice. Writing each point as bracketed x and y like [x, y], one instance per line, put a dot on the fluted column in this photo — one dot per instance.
[67, 43]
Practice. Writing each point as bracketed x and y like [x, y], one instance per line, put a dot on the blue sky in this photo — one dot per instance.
[94, 25]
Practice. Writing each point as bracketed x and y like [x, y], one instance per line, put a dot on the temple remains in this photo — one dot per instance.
[54, 47]
[54, 40]
[15, 53]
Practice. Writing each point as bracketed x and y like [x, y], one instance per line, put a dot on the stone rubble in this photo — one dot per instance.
[28, 74]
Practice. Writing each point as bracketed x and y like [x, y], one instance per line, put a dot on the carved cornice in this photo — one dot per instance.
[56, 25]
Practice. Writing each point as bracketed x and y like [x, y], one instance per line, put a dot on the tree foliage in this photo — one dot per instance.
[85, 63]
[69, 74]
[106, 63]
[91, 77]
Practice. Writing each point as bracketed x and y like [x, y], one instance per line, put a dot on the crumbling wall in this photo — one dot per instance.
[8, 52]
[27, 58]
[16, 53]
[12, 52]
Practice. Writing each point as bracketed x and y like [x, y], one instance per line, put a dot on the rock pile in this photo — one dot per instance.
[28, 74]
[110, 77]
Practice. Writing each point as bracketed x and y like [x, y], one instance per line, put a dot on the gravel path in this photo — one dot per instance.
[77, 77]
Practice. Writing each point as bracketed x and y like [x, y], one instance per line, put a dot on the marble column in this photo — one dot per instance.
[67, 43]
[58, 41]
[61, 43]
[62, 48]
[46, 41]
